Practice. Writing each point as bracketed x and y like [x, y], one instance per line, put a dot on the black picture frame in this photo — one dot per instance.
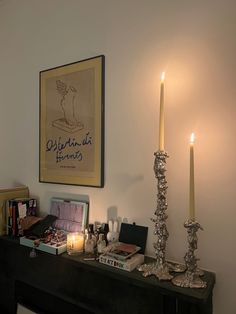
[72, 123]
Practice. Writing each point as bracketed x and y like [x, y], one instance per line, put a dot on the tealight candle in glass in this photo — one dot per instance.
[75, 243]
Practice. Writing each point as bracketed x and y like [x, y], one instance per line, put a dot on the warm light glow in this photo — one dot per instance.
[163, 76]
[161, 116]
[75, 243]
[192, 138]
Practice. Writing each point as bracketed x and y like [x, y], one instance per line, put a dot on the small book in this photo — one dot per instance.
[123, 251]
[127, 265]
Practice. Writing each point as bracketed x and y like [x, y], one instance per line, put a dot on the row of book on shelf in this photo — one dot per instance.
[16, 210]
[15, 205]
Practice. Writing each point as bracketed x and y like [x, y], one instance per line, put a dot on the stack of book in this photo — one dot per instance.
[16, 210]
[123, 256]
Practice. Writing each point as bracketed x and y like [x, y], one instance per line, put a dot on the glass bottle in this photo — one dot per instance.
[89, 244]
[91, 231]
[101, 244]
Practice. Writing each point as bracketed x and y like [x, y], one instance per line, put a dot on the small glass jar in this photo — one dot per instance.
[75, 243]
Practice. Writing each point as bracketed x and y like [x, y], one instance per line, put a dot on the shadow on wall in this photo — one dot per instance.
[125, 181]
[112, 215]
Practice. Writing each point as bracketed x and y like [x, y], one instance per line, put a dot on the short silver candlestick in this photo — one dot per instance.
[160, 267]
[191, 278]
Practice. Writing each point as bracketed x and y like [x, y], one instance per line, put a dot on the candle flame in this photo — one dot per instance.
[192, 138]
[163, 76]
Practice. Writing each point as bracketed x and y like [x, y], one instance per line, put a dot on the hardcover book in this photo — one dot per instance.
[122, 251]
[127, 265]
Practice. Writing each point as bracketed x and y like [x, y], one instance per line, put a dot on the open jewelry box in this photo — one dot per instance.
[72, 216]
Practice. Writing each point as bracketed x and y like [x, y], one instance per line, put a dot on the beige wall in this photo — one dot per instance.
[194, 41]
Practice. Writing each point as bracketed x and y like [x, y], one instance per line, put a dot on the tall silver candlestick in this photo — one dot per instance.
[191, 278]
[160, 267]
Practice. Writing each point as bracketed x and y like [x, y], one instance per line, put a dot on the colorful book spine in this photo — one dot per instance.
[14, 220]
[16, 210]
[9, 218]
[5, 195]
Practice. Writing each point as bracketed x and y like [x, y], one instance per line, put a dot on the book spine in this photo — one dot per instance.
[114, 263]
[14, 219]
[7, 214]
[9, 222]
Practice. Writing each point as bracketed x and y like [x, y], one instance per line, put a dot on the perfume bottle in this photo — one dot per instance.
[89, 244]
[94, 234]
[101, 244]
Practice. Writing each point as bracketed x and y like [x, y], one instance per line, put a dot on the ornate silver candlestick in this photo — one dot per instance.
[191, 279]
[160, 268]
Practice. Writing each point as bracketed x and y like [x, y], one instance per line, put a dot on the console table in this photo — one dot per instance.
[68, 284]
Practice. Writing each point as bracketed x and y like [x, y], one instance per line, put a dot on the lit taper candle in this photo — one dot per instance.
[161, 121]
[191, 180]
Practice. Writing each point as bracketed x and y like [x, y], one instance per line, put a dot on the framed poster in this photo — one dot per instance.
[72, 123]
